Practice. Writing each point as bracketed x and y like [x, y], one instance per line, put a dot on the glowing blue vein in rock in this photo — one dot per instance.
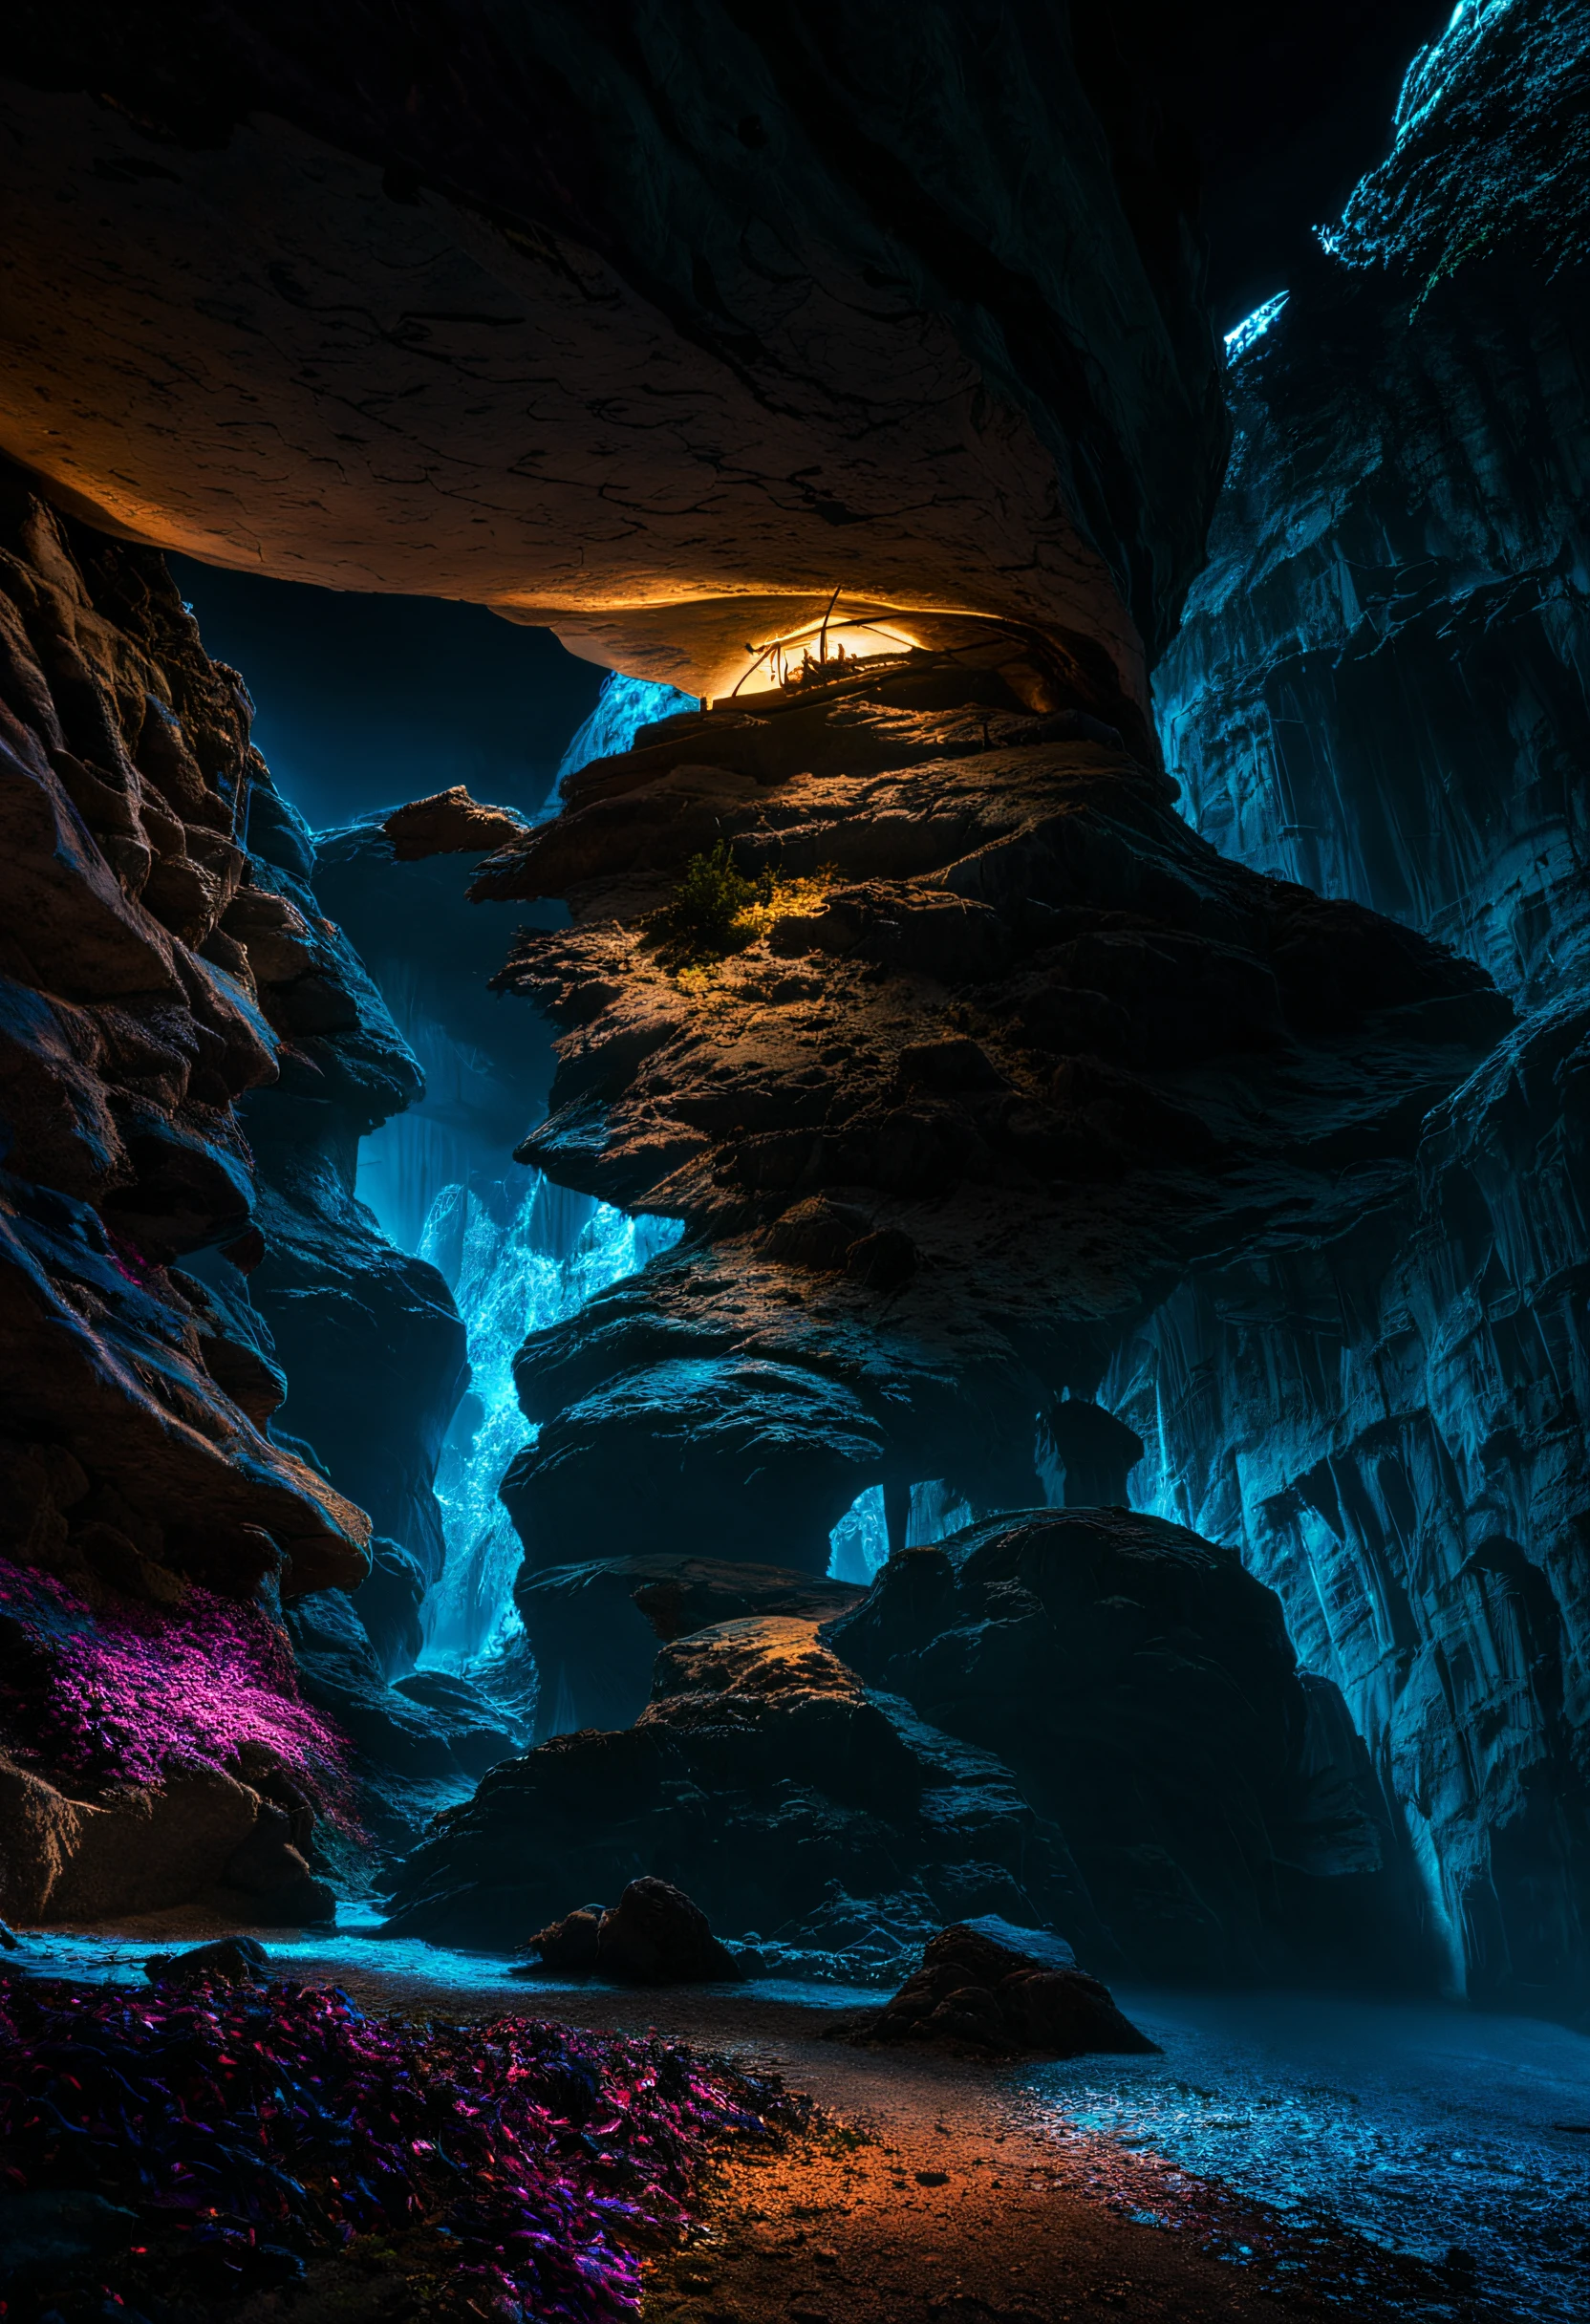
[1254, 326]
[557, 1251]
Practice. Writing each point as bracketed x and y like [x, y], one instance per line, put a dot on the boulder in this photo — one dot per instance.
[201, 1836]
[449, 823]
[569, 1945]
[749, 1452]
[973, 1992]
[1141, 1687]
[228, 1961]
[655, 1935]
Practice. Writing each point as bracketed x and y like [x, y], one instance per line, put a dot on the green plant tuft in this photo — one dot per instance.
[709, 915]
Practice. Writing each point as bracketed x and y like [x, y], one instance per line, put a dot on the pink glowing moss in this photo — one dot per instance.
[506, 2171]
[123, 1690]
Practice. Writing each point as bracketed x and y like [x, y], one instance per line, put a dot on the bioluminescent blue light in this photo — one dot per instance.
[510, 1279]
[1489, 142]
[624, 706]
[1254, 326]
[1434, 68]
[859, 1544]
[1421, 2127]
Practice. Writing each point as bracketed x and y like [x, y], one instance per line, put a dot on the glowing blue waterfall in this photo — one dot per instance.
[510, 1278]
[859, 1544]
[624, 706]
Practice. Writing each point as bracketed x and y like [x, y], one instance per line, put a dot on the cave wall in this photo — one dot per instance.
[1380, 687]
[136, 1025]
[190, 1054]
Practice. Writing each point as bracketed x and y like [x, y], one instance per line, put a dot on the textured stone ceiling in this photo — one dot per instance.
[656, 323]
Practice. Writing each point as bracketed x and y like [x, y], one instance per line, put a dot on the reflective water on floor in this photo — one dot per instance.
[1424, 2128]
[405, 1966]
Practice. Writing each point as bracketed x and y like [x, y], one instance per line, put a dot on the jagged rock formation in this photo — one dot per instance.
[1011, 1053]
[1090, 1723]
[916, 292]
[1383, 686]
[1141, 1687]
[759, 1776]
[191, 1052]
[1380, 683]
[136, 1020]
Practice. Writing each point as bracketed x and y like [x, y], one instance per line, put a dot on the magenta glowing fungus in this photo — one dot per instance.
[119, 1690]
[508, 2169]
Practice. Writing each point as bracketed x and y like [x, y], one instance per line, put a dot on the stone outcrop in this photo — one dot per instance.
[448, 822]
[917, 294]
[1005, 1020]
[594, 1627]
[1089, 1722]
[760, 1776]
[974, 1995]
[1380, 686]
[1140, 1685]
[136, 1020]
[653, 1935]
[201, 1836]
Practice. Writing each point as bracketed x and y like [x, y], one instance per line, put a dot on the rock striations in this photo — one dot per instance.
[190, 1052]
[1381, 687]
[1007, 1055]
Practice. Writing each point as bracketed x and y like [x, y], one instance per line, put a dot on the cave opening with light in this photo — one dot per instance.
[794, 1264]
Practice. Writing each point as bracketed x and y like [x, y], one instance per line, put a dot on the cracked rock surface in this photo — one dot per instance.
[660, 324]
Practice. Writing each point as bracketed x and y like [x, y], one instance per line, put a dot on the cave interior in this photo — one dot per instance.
[795, 1029]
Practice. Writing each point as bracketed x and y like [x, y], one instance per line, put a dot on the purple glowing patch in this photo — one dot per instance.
[259, 2127]
[122, 1690]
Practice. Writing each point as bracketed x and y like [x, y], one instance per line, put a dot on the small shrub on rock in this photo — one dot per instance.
[707, 917]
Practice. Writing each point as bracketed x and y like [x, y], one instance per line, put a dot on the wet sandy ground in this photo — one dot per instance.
[938, 2188]
[932, 2187]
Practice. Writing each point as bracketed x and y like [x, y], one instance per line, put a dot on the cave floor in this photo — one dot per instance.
[931, 2187]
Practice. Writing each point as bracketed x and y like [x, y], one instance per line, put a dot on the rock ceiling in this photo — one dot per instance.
[669, 330]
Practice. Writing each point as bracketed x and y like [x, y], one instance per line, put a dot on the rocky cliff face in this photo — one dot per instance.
[191, 1052]
[1381, 687]
[1005, 1055]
